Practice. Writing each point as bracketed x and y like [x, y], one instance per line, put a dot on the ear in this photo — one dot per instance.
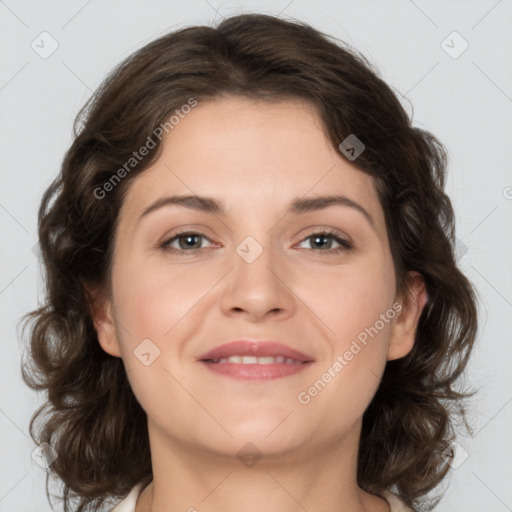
[403, 330]
[100, 308]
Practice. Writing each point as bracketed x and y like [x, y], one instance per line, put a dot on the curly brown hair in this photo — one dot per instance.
[91, 417]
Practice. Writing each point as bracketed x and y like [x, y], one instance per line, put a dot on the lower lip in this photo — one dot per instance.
[257, 371]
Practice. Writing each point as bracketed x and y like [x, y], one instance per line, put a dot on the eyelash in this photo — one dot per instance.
[345, 245]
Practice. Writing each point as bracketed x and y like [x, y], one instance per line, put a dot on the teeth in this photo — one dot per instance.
[256, 360]
[264, 360]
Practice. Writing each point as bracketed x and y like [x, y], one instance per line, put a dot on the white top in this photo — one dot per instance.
[128, 504]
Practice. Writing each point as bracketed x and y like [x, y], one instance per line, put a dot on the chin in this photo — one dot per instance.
[257, 444]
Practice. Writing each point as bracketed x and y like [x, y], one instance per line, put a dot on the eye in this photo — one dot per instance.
[324, 240]
[187, 242]
[192, 242]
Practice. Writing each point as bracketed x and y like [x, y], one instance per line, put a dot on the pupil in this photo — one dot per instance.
[189, 240]
[320, 237]
[319, 240]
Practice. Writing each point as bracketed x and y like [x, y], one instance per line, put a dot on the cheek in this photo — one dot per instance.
[356, 307]
[351, 298]
[152, 299]
[154, 307]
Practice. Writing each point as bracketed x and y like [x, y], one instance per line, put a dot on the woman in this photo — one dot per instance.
[252, 295]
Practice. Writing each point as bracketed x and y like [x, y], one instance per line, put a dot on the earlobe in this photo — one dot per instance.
[102, 316]
[403, 331]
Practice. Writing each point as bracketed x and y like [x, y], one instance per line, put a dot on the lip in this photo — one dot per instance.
[255, 372]
[256, 349]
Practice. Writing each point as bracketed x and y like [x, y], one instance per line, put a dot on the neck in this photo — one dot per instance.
[187, 479]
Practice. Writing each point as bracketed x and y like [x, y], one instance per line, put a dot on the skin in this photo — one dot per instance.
[254, 158]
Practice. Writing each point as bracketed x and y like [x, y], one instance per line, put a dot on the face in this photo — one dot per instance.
[317, 278]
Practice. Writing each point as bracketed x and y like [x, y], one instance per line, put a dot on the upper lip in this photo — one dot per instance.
[260, 348]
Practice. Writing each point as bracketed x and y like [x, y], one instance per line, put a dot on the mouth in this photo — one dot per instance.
[250, 360]
[254, 360]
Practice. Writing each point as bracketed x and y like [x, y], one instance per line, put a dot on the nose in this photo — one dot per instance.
[258, 288]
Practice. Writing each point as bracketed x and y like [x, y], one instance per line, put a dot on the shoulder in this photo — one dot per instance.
[396, 504]
[129, 502]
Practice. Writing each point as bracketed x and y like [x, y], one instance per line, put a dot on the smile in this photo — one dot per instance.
[252, 368]
[255, 360]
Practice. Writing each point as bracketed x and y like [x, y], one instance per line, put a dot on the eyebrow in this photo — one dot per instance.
[297, 206]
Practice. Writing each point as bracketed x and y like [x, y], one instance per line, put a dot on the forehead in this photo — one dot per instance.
[252, 156]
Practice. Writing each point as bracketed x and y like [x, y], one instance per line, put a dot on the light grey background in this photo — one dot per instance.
[465, 101]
